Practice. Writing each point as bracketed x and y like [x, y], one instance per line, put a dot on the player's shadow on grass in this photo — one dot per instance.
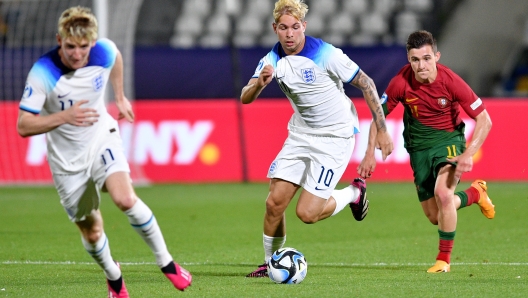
[360, 267]
[219, 274]
[248, 267]
[336, 266]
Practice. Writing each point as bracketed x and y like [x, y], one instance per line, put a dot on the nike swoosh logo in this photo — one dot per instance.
[106, 170]
[62, 96]
[410, 99]
[317, 188]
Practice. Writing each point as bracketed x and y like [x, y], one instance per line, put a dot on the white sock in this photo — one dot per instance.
[143, 221]
[100, 252]
[344, 196]
[271, 244]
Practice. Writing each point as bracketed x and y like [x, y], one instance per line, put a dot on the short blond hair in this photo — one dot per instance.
[78, 23]
[295, 8]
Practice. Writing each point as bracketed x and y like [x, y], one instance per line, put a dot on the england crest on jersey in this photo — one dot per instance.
[97, 83]
[308, 75]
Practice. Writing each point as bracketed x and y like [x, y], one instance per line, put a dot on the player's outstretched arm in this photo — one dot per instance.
[30, 124]
[368, 164]
[367, 86]
[116, 79]
[465, 160]
[255, 85]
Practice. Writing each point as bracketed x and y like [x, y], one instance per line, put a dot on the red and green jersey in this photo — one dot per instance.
[431, 111]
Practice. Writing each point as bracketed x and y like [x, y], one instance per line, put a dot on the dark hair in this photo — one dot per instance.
[419, 39]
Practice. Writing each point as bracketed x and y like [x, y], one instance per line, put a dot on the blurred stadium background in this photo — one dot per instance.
[186, 61]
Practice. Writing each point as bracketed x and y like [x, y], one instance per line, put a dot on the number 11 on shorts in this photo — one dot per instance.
[449, 153]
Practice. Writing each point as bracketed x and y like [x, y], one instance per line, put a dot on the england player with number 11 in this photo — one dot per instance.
[64, 98]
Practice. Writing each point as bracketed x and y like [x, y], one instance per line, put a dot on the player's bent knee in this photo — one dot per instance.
[432, 217]
[125, 202]
[92, 235]
[442, 196]
[433, 220]
[306, 217]
[274, 208]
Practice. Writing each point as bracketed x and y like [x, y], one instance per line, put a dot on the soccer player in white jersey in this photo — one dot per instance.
[321, 131]
[64, 98]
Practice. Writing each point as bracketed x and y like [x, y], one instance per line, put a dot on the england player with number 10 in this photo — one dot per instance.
[321, 130]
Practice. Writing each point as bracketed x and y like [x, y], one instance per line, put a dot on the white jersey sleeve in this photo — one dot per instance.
[270, 59]
[341, 66]
[38, 84]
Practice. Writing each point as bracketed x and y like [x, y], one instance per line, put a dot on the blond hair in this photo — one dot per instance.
[78, 23]
[295, 8]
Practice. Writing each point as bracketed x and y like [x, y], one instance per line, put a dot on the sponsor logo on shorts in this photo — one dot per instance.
[109, 166]
[317, 188]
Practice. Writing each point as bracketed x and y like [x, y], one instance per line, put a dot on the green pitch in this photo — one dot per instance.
[215, 231]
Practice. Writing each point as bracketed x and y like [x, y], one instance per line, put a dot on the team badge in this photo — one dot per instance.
[259, 66]
[476, 104]
[442, 102]
[308, 75]
[27, 91]
[97, 83]
[384, 98]
[273, 167]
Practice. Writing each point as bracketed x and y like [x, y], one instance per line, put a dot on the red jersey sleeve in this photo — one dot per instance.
[461, 92]
[395, 91]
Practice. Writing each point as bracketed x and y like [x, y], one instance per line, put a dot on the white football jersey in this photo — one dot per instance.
[51, 87]
[313, 82]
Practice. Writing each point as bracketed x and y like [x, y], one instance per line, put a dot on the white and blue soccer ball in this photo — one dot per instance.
[287, 266]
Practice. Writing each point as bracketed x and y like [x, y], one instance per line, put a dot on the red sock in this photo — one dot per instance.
[445, 247]
[473, 195]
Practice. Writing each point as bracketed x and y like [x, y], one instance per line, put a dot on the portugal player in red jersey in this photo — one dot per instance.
[432, 96]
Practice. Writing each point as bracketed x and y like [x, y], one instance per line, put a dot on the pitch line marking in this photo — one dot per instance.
[29, 262]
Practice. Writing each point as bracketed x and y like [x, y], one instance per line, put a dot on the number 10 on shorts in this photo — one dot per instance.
[327, 174]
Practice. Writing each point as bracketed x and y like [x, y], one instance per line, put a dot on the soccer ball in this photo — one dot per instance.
[287, 266]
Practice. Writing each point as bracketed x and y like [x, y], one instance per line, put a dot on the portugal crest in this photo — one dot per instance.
[442, 102]
[308, 75]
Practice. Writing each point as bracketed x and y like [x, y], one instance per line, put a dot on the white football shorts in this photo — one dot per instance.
[316, 163]
[80, 192]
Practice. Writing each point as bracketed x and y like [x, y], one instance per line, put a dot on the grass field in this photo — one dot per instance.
[215, 231]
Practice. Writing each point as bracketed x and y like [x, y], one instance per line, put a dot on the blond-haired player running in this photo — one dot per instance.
[64, 98]
[321, 131]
